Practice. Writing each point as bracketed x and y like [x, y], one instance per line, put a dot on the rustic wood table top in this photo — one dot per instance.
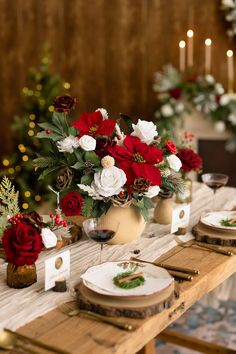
[80, 335]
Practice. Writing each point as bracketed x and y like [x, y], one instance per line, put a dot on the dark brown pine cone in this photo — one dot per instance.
[64, 178]
[141, 185]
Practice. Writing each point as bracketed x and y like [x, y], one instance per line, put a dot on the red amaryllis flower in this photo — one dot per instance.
[71, 204]
[137, 160]
[190, 160]
[170, 147]
[175, 92]
[22, 243]
[93, 124]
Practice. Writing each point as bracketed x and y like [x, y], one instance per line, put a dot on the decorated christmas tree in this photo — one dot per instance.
[38, 94]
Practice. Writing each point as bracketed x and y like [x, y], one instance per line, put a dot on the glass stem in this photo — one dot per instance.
[213, 200]
[101, 248]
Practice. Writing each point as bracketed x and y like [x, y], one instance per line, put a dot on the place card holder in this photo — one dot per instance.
[57, 272]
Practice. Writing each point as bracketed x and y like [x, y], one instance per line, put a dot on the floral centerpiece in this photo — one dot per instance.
[97, 166]
[191, 161]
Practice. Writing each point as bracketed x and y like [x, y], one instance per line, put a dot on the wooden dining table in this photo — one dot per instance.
[83, 335]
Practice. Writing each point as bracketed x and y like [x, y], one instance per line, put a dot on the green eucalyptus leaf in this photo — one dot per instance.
[92, 157]
[87, 179]
[78, 166]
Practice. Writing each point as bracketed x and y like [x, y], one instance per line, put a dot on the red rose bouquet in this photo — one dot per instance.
[96, 165]
[191, 161]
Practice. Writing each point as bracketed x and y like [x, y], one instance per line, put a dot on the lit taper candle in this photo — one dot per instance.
[190, 48]
[208, 43]
[230, 65]
[182, 55]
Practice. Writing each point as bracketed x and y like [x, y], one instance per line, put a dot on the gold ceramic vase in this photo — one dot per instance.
[131, 223]
[21, 276]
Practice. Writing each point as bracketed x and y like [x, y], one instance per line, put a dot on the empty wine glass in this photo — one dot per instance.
[214, 181]
[99, 231]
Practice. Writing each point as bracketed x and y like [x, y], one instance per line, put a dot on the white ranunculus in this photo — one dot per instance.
[103, 112]
[153, 191]
[232, 118]
[179, 107]
[220, 126]
[145, 131]
[167, 110]
[174, 162]
[109, 181]
[68, 144]
[87, 143]
[48, 237]
[224, 100]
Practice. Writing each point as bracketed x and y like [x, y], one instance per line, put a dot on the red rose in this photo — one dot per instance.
[64, 103]
[22, 243]
[190, 160]
[170, 146]
[71, 204]
[175, 92]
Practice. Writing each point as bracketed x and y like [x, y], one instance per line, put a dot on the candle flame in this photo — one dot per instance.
[229, 53]
[190, 33]
[182, 44]
[208, 42]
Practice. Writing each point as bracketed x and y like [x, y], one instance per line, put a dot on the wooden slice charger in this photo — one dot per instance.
[135, 307]
[211, 235]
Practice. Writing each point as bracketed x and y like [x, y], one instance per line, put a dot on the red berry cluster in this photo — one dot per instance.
[57, 219]
[16, 219]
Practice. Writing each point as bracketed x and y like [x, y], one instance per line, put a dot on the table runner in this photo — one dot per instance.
[20, 306]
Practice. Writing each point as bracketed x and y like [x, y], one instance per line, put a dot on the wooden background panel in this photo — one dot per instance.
[107, 49]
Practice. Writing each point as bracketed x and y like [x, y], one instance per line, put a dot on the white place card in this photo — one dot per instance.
[180, 217]
[56, 268]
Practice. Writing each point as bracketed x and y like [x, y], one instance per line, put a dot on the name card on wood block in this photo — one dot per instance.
[57, 268]
[180, 217]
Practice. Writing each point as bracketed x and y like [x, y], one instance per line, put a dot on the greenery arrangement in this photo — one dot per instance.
[42, 87]
[207, 96]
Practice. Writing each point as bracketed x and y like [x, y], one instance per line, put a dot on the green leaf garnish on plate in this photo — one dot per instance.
[228, 222]
[129, 284]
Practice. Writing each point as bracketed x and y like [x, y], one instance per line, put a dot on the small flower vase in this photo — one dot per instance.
[131, 224]
[186, 196]
[164, 208]
[21, 276]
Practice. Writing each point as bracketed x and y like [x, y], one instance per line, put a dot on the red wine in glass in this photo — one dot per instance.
[214, 181]
[215, 185]
[101, 235]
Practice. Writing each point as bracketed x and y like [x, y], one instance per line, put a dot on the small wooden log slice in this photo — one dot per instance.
[210, 235]
[134, 307]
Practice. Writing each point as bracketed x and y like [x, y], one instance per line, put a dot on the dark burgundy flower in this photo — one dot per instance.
[64, 103]
[71, 204]
[175, 92]
[103, 145]
[190, 160]
[22, 243]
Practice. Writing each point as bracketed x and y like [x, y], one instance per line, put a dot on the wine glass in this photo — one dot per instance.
[214, 181]
[99, 231]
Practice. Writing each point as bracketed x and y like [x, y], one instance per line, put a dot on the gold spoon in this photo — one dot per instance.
[8, 341]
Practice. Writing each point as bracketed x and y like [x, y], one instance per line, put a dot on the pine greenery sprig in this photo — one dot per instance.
[173, 183]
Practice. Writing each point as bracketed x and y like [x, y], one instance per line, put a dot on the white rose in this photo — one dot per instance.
[103, 112]
[49, 238]
[109, 181]
[232, 118]
[167, 110]
[220, 126]
[153, 191]
[145, 131]
[219, 89]
[179, 107]
[210, 79]
[87, 143]
[68, 144]
[174, 162]
[224, 100]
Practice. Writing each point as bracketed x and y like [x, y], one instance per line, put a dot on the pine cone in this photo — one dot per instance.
[121, 199]
[64, 178]
[141, 185]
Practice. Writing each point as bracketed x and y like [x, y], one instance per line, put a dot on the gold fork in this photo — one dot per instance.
[70, 310]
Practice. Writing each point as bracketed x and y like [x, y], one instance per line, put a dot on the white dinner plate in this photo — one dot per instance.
[213, 219]
[99, 278]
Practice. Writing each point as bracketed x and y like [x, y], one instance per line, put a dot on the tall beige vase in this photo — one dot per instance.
[163, 211]
[131, 224]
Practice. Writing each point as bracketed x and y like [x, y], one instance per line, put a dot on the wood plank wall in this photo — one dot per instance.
[107, 49]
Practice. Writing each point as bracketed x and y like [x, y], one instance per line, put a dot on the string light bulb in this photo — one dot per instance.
[32, 116]
[51, 108]
[37, 198]
[67, 85]
[11, 171]
[25, 158]
[25, 206]
[6, 162]
[31, 133]
[27, 194]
